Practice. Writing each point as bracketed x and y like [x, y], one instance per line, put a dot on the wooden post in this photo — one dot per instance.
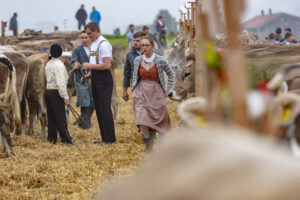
[237, 74]
[3, 37]
[200, 66]
[192, 28]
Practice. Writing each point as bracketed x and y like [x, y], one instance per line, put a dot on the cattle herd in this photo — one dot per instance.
[23, 81]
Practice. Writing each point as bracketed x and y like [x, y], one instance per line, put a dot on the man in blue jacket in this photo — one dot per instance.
[95, 16]
[83, 91]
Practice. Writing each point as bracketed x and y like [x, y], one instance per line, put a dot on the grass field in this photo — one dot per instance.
[122, 39]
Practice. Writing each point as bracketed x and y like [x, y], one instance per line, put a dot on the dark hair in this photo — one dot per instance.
[92, 26]
[139, 34]
[278, 30]
[160, 17]
[272, 36]
[288, 34]
[83, 31]
[145, 28]
[55, 51]
[288, 29]
[131, 25]
[149, 39]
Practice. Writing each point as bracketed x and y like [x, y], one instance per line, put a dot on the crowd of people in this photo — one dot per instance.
[91, 61]
[277, 38]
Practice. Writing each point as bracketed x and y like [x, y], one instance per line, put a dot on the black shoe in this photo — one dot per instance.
[108, 143]
[149, 144]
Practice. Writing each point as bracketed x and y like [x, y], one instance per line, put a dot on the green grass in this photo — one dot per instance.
[122, 39]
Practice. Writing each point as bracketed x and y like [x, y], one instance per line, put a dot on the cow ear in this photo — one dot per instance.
[193, 112]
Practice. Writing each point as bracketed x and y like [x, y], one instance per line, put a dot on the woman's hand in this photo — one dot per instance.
[67, 101]
[85, 66]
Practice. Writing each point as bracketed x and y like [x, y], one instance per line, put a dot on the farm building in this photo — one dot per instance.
[265, 24]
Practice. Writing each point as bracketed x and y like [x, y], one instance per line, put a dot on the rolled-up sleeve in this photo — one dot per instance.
[62, 81]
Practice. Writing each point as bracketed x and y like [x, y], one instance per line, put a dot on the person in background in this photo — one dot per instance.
[288, 39]
[81, 16]
[13, 24]
[135, 51]
[95, 16]
[149, 92]
[117, 32]
[129, 37]
[289, 30]
[57, 97]
[102, 81]
[279, 36]
[158, 48]
[161, 31]
[80, 55]
[271, 39]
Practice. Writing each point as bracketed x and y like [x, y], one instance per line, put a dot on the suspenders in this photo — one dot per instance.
[96, 53]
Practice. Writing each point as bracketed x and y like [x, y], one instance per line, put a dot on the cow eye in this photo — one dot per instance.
[187, 74]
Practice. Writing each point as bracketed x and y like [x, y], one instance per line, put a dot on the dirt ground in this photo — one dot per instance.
[40, 170]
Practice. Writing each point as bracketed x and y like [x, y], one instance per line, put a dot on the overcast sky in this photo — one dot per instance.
[45, 14]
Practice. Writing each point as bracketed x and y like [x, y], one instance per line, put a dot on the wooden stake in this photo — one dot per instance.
[238, 79]
[200, 66]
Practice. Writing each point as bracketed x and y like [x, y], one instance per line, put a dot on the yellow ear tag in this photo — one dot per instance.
[286, 115]
[200, 121]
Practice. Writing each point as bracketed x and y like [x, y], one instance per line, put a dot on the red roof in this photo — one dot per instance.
[258, 21]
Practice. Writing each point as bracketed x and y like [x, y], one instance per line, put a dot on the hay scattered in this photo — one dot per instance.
[40, 170]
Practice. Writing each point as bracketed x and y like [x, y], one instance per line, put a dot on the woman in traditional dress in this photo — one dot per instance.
[149, 92]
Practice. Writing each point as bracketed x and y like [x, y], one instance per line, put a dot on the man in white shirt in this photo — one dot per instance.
[102, 81]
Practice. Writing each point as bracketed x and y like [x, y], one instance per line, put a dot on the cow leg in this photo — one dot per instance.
[32, 115]
[23, 115]
[3, 149]
[42, 117]
[114, 103]
[8, 146]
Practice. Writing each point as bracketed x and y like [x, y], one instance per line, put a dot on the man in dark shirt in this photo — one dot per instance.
[135, 51]
[13, 24]
[81, 16]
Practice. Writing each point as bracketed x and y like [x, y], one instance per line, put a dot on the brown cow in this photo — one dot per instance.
[9, 104]
[36, 87]
[21, 65]
[213, 164]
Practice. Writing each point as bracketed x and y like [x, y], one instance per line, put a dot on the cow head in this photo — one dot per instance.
[177, 54]
[71, 85]
[184, 80]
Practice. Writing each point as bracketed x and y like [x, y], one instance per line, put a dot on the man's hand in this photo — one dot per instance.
[125, 94]
[67, 101]
[85, 78]
[85, 66]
